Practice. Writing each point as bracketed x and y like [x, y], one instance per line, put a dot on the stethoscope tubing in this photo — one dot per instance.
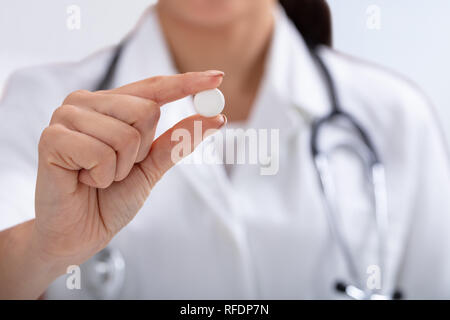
[376, 171]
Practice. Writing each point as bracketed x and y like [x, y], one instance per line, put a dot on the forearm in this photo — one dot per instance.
[24, 274]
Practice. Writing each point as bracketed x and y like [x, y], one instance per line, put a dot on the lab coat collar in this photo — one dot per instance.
[145, 53]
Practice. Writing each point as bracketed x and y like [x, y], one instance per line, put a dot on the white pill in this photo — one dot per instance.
[209, 103]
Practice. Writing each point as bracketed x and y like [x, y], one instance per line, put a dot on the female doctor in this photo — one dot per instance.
[100, 163]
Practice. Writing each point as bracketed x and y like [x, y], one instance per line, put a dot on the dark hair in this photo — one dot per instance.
[312, 19]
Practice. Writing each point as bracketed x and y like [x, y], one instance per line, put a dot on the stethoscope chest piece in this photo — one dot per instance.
[104, 274]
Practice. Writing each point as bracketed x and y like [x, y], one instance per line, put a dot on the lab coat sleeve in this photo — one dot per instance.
[425, 269]
[23, 119]
[30, 97]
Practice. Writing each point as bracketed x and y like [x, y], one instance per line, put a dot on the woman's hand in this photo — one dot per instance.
[98, 162]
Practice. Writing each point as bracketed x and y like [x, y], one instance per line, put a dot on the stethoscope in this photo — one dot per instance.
[106, 270]
[373, 170]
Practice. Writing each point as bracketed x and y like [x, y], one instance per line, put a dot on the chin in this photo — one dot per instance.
[209, 13]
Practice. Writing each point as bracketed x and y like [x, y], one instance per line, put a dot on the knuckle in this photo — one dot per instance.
[151, 172]
[157, 89]
[134, 136]
[155, 80]
[186, 76]
[45, 140]
[153, 176]
[185, 88]
[75, 96]
[102, 178]
[151, 113]
[104, 175]
[48, 135]
[130, 137]
[107, 155]
[63, 112]
[48, 142]
[102, 92]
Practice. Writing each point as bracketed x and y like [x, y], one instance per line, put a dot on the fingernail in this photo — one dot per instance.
[223, 119]
[214, 73]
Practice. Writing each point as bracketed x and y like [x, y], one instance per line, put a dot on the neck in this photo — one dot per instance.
[239, 49]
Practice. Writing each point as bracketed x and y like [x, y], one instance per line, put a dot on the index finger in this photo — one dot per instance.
[165, 89]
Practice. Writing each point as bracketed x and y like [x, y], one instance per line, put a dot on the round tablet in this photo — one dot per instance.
[209, 103]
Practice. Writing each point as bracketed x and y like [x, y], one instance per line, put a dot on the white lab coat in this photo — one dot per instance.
[204, 235]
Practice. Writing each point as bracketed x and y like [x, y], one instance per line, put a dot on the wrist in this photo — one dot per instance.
[25, 273]
[38, 254]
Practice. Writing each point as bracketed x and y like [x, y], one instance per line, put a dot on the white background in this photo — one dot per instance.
[414, 38]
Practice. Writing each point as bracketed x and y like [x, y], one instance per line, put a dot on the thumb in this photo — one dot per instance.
[177, 143]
